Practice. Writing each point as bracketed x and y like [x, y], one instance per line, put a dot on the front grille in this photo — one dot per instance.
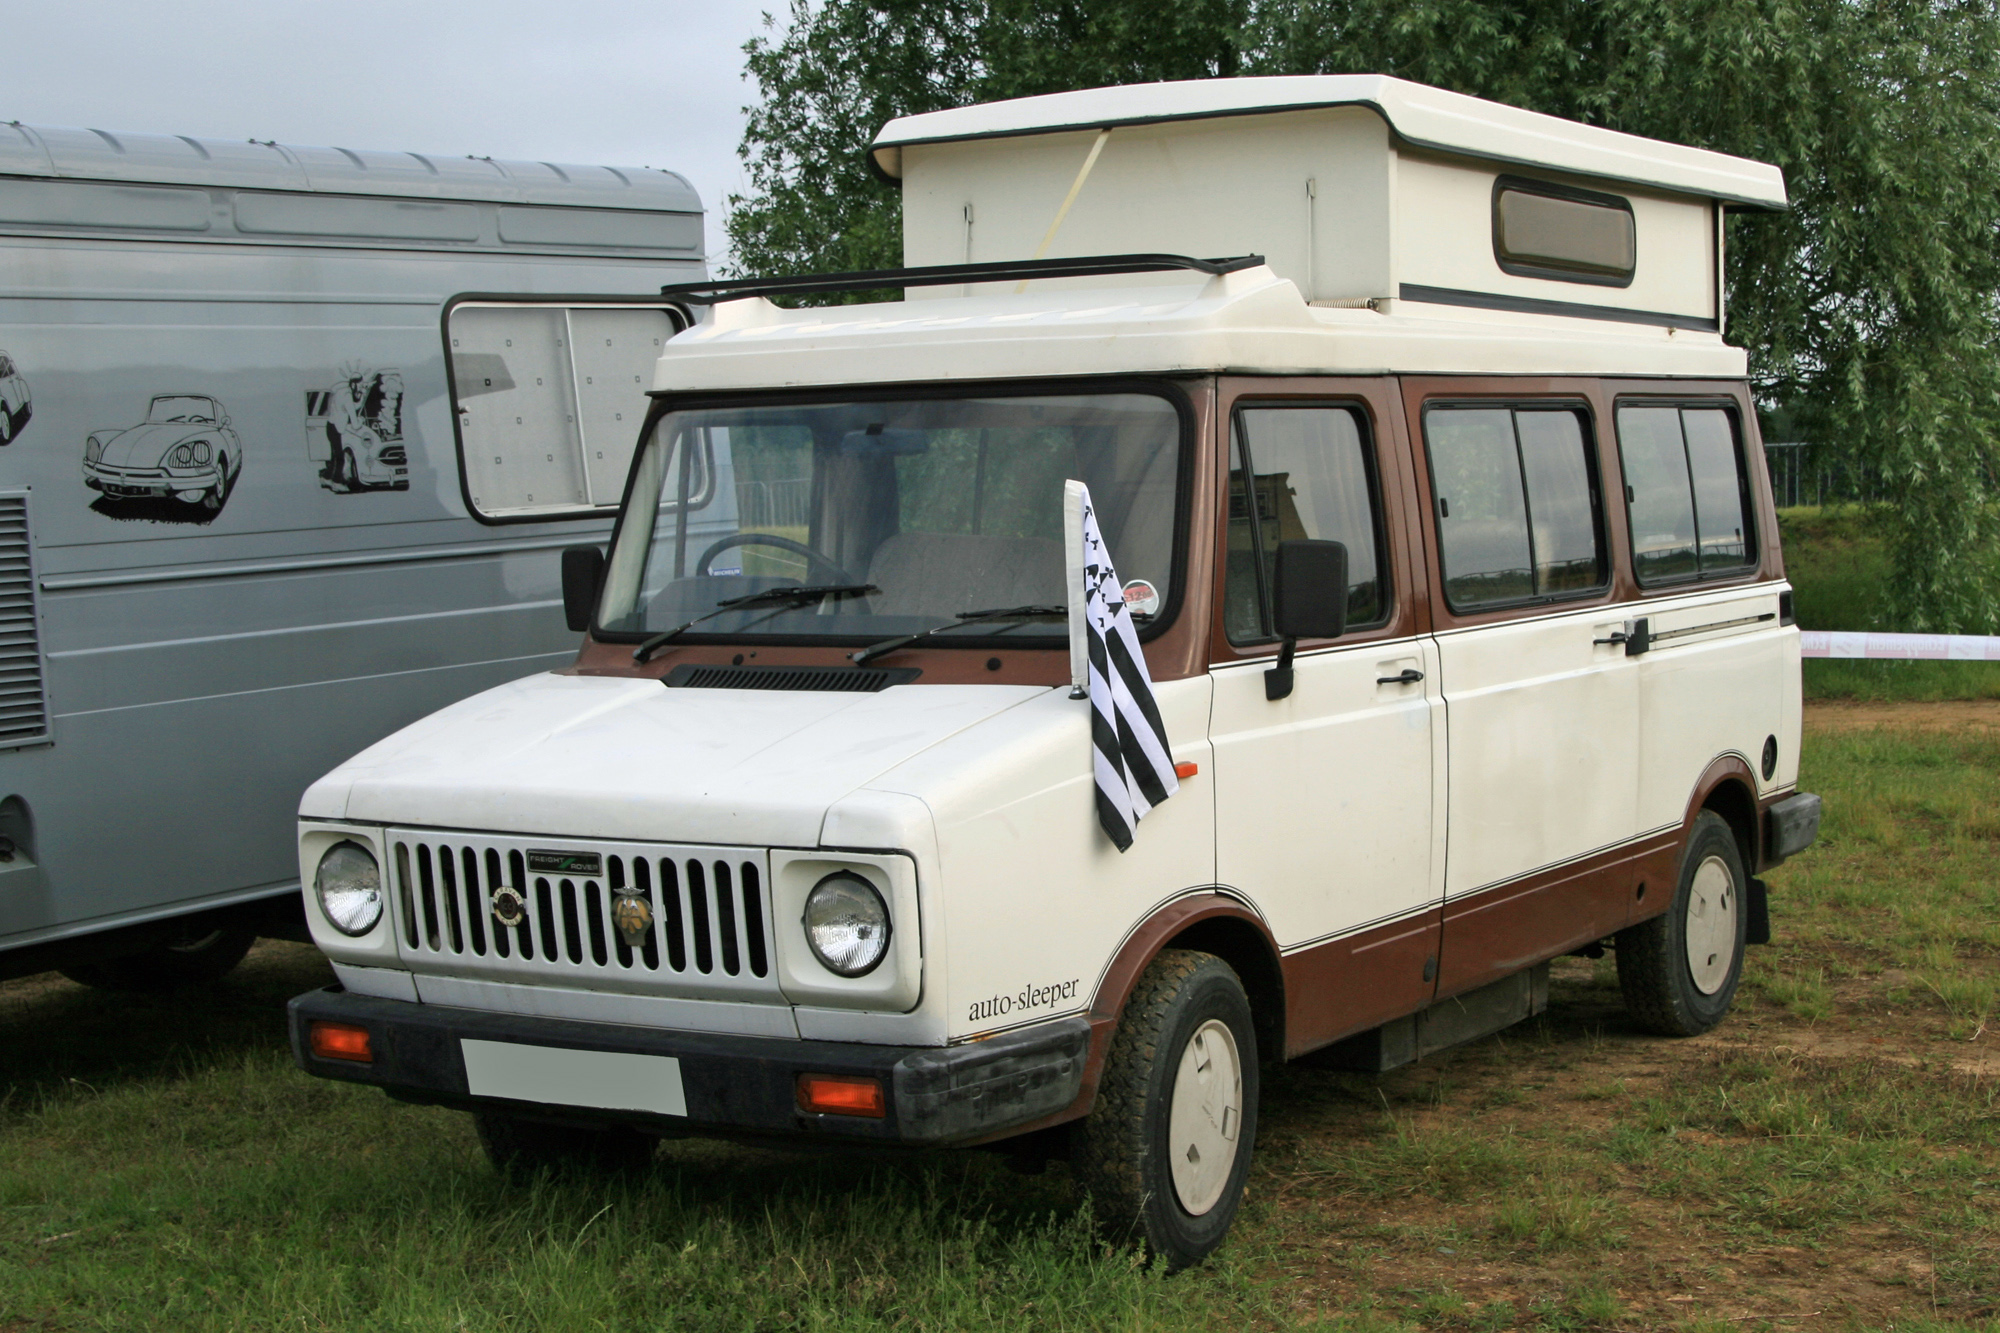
[841, 680]
[24, 707]
[708, 937]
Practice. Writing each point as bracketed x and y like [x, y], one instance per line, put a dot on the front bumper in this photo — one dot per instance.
[732, 1085]
[135, 482]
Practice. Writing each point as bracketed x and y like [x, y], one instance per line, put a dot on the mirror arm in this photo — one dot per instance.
[1278, 679]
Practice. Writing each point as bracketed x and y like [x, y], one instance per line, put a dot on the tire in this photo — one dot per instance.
[202, 956]
[521, 1149]
[1679, 971]
[1165, 1095]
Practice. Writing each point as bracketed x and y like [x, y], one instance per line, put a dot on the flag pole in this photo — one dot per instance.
[1079, 652]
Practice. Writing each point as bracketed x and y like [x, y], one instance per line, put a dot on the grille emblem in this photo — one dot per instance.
[633, 916]
[510, 905]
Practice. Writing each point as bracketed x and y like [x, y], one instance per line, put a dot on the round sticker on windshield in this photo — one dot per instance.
[1142, 598]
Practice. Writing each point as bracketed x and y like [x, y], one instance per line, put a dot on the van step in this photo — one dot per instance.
[1451, 1022]
[840, 680]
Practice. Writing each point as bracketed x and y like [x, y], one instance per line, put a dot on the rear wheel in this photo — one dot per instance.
[521, 1149]
[1167, 1149]
[202, 954]
[1679, 971]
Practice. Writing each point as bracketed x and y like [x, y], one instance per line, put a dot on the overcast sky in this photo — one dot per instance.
[655, 84]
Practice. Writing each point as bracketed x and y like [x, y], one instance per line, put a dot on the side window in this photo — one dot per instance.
[1687, 491]
[1308, 476]
[549, 401]
[1517, 504]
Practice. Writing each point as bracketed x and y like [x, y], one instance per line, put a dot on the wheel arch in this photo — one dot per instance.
[1207, 920]
[1729, 787]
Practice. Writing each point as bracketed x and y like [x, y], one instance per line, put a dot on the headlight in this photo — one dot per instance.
[350, 888]
[847, 924]
[183, 455]
[92, 450]
[201, 451]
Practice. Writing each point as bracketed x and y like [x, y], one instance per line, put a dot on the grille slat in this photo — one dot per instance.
[706, 933]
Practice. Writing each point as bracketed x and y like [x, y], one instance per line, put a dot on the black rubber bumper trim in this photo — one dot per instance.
[1790, 826]
[733, 1084]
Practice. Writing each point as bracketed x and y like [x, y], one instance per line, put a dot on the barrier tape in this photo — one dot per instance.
[1900, 647]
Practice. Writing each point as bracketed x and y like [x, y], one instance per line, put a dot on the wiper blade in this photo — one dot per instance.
[875, 650]
[768, 597]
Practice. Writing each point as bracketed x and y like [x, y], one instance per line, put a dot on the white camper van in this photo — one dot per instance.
[1436, 518]
[275, 481]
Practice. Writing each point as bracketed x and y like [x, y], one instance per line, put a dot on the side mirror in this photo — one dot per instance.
[1308, 601]
[582, 569]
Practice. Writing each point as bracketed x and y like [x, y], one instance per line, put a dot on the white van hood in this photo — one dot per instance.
[594, 757]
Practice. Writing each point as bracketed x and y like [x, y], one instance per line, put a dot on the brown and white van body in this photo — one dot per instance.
[1483, 352]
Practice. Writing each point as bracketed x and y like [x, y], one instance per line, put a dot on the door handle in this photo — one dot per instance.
[1409, 676]
[1637, 637]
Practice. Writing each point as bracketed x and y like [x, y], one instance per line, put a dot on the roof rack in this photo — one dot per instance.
[946, 275]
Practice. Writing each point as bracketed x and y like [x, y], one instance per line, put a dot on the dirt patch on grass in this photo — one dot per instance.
[1943, 715]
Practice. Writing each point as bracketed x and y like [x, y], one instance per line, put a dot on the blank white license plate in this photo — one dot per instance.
[606, 1080]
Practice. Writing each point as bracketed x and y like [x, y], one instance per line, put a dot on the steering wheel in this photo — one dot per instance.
[814, 560]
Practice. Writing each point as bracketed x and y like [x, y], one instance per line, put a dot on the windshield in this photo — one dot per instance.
[192, 410]
[946, 506]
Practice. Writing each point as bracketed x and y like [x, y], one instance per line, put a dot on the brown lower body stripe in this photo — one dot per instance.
[1349, 985]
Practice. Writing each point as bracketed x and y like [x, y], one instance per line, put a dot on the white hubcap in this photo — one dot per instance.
[1711, 925]
[1206, 1117]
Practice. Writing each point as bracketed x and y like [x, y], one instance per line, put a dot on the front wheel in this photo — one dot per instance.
[1679, 970]
[521, 1149]
[1167, 1149]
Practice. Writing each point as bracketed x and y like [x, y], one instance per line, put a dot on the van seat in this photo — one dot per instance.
[939, 574]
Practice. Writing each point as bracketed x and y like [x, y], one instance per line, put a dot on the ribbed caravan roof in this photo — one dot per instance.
[178, 159]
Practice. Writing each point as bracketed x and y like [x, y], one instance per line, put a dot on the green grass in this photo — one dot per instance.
[1828, 1159]
[1838, 563]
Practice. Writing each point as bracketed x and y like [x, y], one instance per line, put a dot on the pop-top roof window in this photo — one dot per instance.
[1542, 230]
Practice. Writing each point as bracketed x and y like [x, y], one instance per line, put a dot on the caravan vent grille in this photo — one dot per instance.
[24, 706]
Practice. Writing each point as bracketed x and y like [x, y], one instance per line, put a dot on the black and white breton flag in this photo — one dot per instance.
[1129, 754]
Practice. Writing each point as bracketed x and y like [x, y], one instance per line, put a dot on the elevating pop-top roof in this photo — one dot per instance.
[1421, 116]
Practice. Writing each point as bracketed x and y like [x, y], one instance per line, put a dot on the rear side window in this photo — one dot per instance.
[1301, 472]
[1518, 509]
[1544, 230]
[1687, 492]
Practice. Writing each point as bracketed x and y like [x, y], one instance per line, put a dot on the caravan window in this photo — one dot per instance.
[1313, 480]
[1544, 230]
[1687, 491]
[549, 402]
[1517, 504]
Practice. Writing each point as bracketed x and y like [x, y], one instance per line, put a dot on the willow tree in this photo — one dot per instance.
[1868, 309]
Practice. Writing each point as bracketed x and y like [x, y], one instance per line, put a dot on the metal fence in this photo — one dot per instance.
[1798, 477]
[774, 504]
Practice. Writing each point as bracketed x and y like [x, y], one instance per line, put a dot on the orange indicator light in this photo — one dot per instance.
[836, 1094]
[1186, 769]
[340, 1041]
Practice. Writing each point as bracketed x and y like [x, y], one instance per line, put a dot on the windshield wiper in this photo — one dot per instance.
[768, 597]
[965, 618]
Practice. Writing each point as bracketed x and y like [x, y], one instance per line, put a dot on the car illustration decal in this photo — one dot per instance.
[179, 465]
[354, 431]
[15, 408]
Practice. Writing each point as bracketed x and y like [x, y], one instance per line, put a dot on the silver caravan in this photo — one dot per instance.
[289, 440]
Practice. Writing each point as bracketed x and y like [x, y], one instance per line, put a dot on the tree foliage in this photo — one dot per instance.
[1868, 309]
